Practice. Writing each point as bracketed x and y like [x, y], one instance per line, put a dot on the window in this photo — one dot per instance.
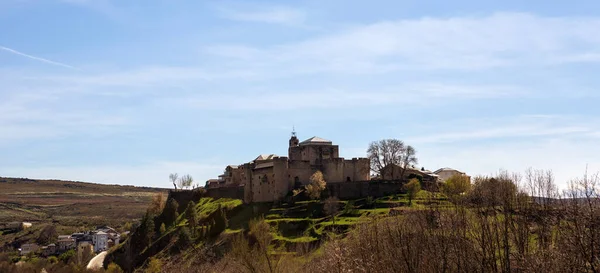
[348, 179]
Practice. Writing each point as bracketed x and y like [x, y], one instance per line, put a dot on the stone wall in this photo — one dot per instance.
[226, 192]
[362, 189]
[343, 190]
[333, 170]
[357, 169]
[302, 170]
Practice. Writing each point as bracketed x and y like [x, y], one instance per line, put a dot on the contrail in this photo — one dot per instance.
[36, 58]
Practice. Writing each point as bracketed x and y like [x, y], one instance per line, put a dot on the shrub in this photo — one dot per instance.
[154, 266]
[114, 268]
[316, 186]
[192, 216]
[219, 222]
[412, 188]
[184, 240]
[52, 259]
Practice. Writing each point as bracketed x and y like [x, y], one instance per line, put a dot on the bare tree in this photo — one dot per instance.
[408, 158]
[185, 181]
[173, 177]
[386, 152]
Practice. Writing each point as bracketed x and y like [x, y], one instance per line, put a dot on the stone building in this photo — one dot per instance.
[28, 248]
[394, 172]
[270, 177]
[445, 173]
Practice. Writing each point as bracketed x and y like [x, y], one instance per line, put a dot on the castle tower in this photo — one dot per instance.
[294, 140]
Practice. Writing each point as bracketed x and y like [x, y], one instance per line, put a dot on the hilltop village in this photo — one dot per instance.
[270, 177]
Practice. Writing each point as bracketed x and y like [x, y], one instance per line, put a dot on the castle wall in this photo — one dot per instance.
[333, 170]
[314, 153]
[359, 169]
[362, 189]
[246, 181]
[281, 182]
[302, 170]
[262, 184]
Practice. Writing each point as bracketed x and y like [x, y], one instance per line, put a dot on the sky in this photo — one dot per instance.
[126, 92]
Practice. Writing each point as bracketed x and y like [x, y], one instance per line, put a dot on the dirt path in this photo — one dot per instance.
[97, 261]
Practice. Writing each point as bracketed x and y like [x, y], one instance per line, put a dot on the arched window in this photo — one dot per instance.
[348, 179]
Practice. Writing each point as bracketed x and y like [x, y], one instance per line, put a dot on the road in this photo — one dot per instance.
[97, 261]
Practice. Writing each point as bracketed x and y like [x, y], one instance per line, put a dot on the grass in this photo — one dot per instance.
[374, 212]
[300, 239]
[208, 205]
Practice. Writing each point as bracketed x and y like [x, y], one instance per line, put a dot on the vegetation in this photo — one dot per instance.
[387, 152]
[174, 178]
[455, 186]
[332, 207]
[505, 223]
[413, 187]
[185, 181]
[317, 185]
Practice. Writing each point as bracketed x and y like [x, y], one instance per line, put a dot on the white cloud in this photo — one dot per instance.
[564, 144]
[272, 15]
[463, 43]
[505, 128]
[328, 98]
[39, 115]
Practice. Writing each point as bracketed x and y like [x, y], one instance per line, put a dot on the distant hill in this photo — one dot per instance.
[72, 204]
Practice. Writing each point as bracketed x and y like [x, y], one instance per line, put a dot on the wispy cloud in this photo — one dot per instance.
[343, 98]
[454, 43]
[36, 58]
[272, 15]
[506, 128]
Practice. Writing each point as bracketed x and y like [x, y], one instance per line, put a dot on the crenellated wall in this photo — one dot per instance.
[333, 170]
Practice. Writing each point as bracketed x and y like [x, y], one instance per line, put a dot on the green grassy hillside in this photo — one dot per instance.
[295, 226]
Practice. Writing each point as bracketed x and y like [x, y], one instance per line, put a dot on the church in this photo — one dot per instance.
[270, 177]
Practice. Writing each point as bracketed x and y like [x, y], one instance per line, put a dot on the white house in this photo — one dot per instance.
[100, 241]
[445, 173]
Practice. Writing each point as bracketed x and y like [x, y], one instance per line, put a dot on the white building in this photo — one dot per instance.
[445, 173]
[100, 241]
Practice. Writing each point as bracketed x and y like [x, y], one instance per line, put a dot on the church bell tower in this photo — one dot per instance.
[294, 140]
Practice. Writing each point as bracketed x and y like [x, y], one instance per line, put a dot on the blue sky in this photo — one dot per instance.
[127, 92]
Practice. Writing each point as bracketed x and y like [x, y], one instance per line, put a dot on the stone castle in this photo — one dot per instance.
[270, 177]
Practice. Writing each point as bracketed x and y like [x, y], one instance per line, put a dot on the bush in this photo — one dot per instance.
[185, 239]
[114, 268]
[219, 222]
[412, 188]
[52, 259]
[67, 256]
[154, 266]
